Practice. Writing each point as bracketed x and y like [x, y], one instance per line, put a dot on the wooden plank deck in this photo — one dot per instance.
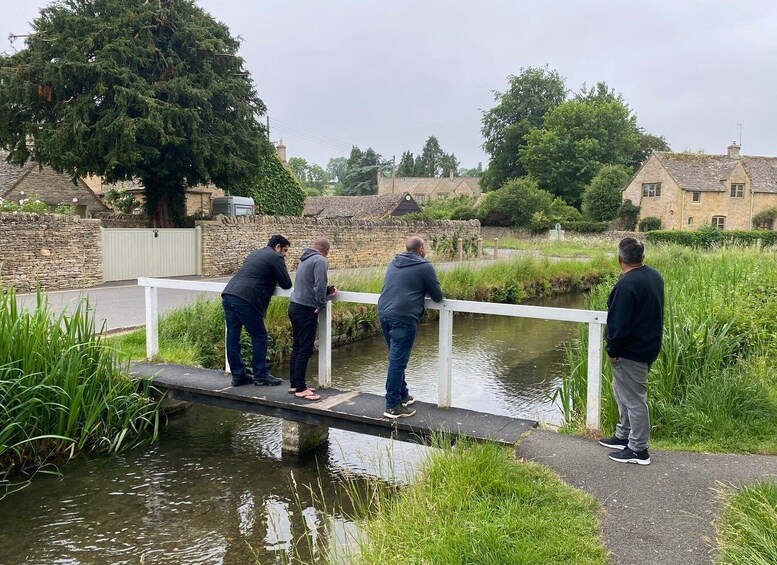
[349, 410]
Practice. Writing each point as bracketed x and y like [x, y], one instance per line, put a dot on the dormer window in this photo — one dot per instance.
[737, 190]
[651, 189]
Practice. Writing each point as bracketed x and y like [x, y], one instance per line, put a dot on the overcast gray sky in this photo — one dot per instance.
[387, 75]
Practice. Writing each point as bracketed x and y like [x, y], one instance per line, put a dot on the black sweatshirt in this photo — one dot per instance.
[255, 281]
[635, 315]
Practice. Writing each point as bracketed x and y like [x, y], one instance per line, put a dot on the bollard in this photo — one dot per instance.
[480, 248]
[496, 248]
[460, 249]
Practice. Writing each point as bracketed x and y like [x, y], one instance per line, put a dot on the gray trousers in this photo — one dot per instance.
[629, 384]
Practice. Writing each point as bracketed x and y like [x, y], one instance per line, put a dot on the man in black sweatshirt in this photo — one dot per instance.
[409, 278]
[245, 300]
[635, 321]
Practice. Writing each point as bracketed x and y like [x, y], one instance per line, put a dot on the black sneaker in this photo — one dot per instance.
[269, 380]
[407, 401]
[626, 455]
[398, 411]
[614, 442]
[246, 380]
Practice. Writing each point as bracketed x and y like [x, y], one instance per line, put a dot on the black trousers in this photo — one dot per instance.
[304, 323]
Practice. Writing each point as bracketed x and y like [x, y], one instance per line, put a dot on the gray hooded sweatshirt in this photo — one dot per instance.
[311, 280]
[408, 278]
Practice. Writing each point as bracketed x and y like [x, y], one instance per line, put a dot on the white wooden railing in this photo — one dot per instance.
[595, 320]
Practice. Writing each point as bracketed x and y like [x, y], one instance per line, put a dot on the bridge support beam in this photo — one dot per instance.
[299, 438]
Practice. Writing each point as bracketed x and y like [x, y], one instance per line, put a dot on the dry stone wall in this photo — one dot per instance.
[355, 243]
[60, 251]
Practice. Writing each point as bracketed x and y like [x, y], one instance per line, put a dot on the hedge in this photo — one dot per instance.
[706, 238]
[585, 227]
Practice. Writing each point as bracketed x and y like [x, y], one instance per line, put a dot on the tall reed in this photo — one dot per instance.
[62, 390]
[714, 384]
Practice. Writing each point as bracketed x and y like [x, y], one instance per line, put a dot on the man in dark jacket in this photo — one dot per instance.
[245, 300]
[307, 299]
[635, 321]
[409, 278]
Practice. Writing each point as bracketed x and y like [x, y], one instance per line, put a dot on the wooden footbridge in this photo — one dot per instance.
[347, 410]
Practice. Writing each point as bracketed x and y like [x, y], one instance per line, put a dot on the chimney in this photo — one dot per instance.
[733, 150]
[280, 150]
[451, 173]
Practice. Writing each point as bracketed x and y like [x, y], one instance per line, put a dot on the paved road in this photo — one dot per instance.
[659, 514]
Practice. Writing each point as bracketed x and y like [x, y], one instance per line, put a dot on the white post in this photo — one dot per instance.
[594, 402]
[325, 346]
[152, 322]
[445, 351]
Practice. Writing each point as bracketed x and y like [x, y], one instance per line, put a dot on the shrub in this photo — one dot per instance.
[765, 217]
[122, 200]
[651, 223]
[31, 205]
[585, 227]
[65, 209]
[627, 215]
[517, 202]
[602, 197]
[709, 236]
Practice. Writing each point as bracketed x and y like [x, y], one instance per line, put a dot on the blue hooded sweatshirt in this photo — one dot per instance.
[408, 278]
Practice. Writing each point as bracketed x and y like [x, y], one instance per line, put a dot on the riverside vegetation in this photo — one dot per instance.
[63, 391]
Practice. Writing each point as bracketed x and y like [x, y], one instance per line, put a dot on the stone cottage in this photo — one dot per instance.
[18, 183]
[687, 191]
[423, 189]
[359, 207]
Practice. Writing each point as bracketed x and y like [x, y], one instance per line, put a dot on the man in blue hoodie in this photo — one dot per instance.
[245, 300]
[409, 278]
[307, 299]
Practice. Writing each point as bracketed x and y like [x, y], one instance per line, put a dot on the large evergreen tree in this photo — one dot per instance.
[406, 167]
[531, 94]
[132, 89]
[429, 162]
[361, 177]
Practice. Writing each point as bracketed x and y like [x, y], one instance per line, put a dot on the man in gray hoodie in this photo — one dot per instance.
[409, 278]
[308, 298]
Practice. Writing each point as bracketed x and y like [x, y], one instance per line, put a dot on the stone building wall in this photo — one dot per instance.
[62, 251]
[355, 243]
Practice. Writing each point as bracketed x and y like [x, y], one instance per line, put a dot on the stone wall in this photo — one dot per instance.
[355, 243]
[63, 251]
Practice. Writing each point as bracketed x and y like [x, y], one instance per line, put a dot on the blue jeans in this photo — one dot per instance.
[239, 314]
[399, 338]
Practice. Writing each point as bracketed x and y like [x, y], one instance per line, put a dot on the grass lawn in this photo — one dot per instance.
[747, 527]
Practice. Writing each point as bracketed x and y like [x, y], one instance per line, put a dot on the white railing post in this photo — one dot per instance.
[152, 322]
[445, 351]
[594, 401]
[325, 346]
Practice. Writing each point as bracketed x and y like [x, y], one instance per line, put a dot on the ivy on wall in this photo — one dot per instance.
[275, 190]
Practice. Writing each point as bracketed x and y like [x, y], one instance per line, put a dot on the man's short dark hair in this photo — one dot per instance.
[278, 240]
[631, 251]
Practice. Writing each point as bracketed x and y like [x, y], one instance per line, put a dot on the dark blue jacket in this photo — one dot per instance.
[256, 280]
[408, 278]
[635, 315]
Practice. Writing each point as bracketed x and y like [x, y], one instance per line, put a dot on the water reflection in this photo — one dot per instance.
[214, 489]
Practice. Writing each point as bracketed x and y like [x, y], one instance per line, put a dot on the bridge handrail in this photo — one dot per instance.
[594, 318]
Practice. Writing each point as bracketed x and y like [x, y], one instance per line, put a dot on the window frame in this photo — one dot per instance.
[719, 222]
[648, 187]
[737, 190]
[696, 196]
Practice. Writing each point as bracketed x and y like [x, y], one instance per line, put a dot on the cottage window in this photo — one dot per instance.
[690, 221]
[696, 196]
[737, 190]
[651, 189]
[719, 222]
[443, 196]
[420, 197]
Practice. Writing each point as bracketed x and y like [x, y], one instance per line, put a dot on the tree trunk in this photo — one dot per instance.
[165, 201]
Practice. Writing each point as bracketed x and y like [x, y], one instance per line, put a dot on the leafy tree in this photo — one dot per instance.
[520, 109]
[311, 176]
[336, 168]
[473, 172]
[647, 144]
[517, 202]
[132, 89]
[429, 162]
[299, 167]
[602, 197]
[361, 177]
[449, 164]
[577, 138]
[406, 167]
